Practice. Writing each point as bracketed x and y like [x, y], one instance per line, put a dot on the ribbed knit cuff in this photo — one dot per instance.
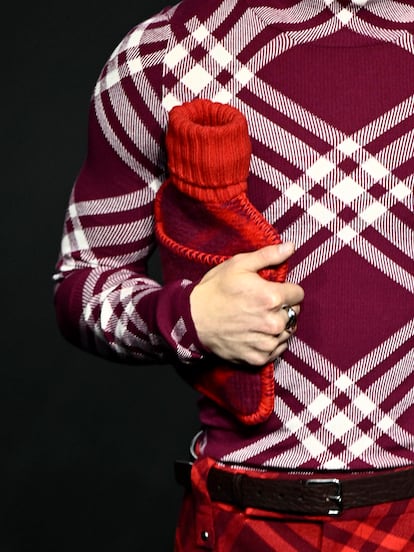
[174, 321]
[208, 150]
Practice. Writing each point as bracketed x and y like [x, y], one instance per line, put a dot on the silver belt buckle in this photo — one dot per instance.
[335, 499]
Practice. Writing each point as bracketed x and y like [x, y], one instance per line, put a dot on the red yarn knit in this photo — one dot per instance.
[208, 153]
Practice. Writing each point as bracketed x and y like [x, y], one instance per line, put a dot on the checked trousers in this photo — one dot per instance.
[205, 525]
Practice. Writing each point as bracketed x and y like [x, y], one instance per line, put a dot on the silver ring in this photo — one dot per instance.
[292, 318]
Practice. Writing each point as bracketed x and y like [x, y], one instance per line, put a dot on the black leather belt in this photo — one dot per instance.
[307, 496]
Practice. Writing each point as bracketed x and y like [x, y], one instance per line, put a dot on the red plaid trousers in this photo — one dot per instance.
[205, 525]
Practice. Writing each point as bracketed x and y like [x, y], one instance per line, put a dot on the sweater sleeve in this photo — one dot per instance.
[105, 302]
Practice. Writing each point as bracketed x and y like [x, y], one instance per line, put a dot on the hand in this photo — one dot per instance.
[238, 315]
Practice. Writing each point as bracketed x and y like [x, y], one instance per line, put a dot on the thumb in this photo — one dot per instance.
[268, 256]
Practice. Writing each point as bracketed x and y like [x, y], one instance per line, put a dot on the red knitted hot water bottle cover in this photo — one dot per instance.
[203, 217]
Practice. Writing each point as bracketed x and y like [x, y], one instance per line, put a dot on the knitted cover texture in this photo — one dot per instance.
[203, 217]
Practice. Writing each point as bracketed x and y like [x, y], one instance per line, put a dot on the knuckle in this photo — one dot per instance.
[277, 299]
[275, 325]
[267, 301]
[270, 297]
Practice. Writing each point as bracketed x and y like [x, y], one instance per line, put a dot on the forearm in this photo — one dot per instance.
[105, 300]
[125, 316]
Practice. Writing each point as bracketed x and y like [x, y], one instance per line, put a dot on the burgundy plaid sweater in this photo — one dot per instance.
[327, 88]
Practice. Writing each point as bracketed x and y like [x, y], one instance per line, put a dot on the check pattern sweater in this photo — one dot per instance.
[327, 88]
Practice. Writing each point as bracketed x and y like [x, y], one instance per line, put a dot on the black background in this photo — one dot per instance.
[87, 446]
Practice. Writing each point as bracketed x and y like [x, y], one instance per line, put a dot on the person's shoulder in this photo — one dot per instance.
[158, 27]
[147, 42]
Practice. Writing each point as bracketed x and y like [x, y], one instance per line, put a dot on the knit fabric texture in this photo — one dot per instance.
[203, 217]
[327, 90]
